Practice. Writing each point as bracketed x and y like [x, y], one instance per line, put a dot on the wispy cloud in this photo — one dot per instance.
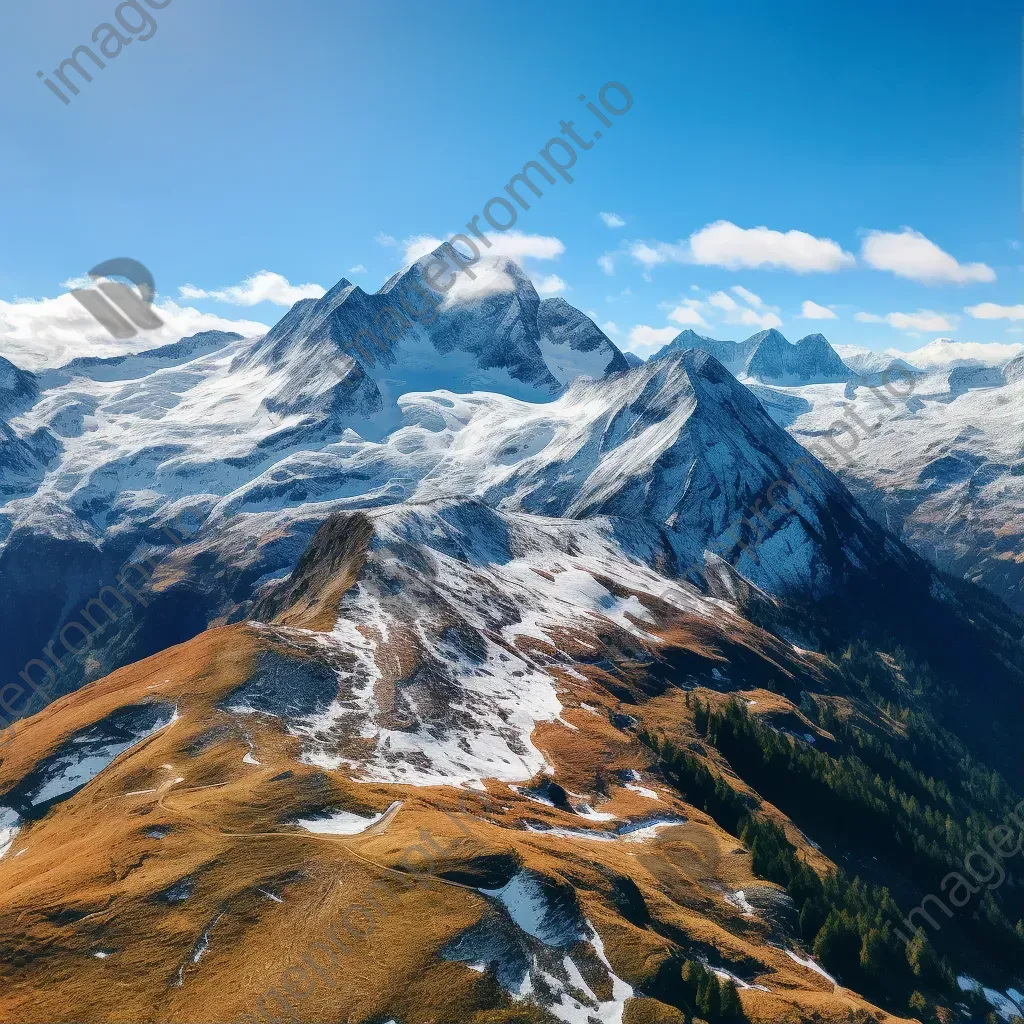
[263, 286]
[515, 245]
[552, 284]
[612, 220]
[650, 254]
[993, 311]
[724, 301]
[388, 241]
[752, 300]
[755, 313]
[357, 269]
[922, 320]
[812, 311]
[687, 313]
[607, 263]
[907, 253]
[644, 340]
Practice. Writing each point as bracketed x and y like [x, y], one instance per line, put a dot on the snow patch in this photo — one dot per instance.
[343, 823]
[811, 966]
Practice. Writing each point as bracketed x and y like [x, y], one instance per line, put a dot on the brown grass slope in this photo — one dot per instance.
[282, 922]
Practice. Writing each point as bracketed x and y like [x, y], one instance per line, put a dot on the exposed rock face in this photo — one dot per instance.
[18, 388]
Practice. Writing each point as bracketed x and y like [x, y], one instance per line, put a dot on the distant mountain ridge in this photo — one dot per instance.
[769, 357]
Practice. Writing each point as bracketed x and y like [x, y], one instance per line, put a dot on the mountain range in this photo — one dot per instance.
[768, 357]
[681, 707]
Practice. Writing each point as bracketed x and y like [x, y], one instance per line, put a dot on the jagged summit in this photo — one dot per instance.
[18, 388]
[726, 352]
[811, 360]
[349, 355]
[1013, 371]
[868, 363]
[768, 357]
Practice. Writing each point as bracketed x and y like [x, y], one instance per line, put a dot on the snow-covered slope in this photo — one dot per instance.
[247, 443]
[941, 463]
[865, 361]
[475, 599]
[98, 455]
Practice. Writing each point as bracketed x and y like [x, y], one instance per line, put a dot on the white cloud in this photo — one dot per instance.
[644, 340]
[752, 300]
[723, 244]
[849, 351]
[263, 286]
[660, 252]
[922, 320]
[812, 311]
[418, 246]
[721, 300]
[943, 351]
[388, 241]
[613, 220]
[993, 311]
[907, 253]
[606, 263]
[550, 285]
[490, 274]
[757, 314]
[687, 314]
[752, 318]
[514, 244]
[519, 246]
[37, 333]
[611, 328]
[357, 269]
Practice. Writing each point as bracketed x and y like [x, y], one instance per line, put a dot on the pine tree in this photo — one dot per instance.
[919, 1006]
[873, 953]
[709, 998]
[732, 1008]
[921, 957]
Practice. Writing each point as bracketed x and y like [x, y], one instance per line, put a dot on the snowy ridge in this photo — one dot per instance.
[267, 437]
[481, 601]
[941, 465]
[768, 357]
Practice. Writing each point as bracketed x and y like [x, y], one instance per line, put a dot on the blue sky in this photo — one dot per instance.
[253, 136]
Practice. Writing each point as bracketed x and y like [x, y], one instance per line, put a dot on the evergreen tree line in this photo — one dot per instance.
[849, 925]
[712, 999]
[869, 814]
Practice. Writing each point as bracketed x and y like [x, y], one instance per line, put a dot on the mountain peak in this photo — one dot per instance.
[17, 387]
[771, 335]
[811, 360]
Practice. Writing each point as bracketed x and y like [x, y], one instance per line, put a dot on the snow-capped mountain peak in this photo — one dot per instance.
[773, 360]
[769, 358]
[17, 387]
